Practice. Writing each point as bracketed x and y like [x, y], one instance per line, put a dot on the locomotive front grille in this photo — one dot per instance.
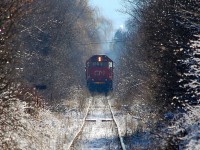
[99, 82]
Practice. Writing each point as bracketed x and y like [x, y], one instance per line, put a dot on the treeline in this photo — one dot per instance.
[159, 54]
[55, 37]
[49, 42]
[43, 48]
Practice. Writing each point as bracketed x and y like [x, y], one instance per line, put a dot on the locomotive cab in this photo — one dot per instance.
[99, 73]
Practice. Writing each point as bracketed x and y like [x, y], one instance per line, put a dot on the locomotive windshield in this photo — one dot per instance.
[98, 64]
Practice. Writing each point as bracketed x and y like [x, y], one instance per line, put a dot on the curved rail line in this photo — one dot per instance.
[82, 126]
[84, 122]
[118, 129]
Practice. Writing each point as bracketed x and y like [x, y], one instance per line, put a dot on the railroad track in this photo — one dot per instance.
[99, 129]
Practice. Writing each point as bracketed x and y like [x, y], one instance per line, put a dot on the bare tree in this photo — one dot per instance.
[55, 35]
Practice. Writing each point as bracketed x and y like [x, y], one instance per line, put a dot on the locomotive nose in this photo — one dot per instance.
[99, 72]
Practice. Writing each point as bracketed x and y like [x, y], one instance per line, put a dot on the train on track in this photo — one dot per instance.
[99, 73]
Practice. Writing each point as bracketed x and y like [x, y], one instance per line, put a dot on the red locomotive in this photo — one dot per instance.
[99, 73]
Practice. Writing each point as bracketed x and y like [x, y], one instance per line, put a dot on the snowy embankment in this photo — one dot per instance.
[44, 129]
[134, 124]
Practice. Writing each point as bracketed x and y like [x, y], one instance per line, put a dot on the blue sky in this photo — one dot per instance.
[108, 8]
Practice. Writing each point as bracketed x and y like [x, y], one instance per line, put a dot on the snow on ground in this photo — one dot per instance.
[44, 130]
[56, 131]
[134, 124]
[99, 130]
[139, 132]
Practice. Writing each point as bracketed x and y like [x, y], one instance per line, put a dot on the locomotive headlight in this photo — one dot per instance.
[99, 59]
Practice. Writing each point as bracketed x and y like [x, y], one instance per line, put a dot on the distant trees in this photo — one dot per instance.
[55, 37]
[118, 46]
[45, 44]
[157, 47]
